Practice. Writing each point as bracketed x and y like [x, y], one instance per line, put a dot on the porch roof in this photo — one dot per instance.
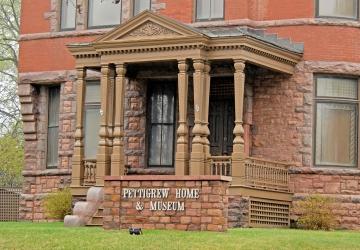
[138, 39]
[260, 34]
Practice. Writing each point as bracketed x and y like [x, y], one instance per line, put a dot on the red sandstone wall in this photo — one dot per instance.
[343, 187]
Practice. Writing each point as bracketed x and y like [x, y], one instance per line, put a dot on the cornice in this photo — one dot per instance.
[170, 39]
[235, 44]
[279, 23]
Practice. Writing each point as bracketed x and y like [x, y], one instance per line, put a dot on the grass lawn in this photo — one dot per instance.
[23, 235]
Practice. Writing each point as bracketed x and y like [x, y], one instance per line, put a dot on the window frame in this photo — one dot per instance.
[87, 106]
[317, 12]
[48, 89]
[61, 12]
[337, 100]
[208, 19]
[149, 123]
[101, 26]
[133, 7]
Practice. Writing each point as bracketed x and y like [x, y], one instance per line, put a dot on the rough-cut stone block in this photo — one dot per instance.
[73, 221]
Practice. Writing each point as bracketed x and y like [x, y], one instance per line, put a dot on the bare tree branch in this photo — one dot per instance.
[9, 32]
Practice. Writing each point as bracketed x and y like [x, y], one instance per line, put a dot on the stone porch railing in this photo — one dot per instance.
[89, 172]
[220, 165]
[258, 173]
[266, 174]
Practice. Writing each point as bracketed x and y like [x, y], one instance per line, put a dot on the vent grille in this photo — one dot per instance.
[269, 213]
[9, 204]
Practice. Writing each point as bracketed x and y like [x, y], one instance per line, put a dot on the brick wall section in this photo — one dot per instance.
[275, 117]
[208, 213]
[35, 188]
[341, 185]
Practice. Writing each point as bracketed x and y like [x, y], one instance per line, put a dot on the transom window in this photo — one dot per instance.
[209, 9]
[338, 8]
[141, 5]
[336, 130]
[91, 119]
[161, 120]
[68, 14]
[53, 126]
[104, 13]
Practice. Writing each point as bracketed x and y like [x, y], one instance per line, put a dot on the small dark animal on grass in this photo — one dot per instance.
[136, 231]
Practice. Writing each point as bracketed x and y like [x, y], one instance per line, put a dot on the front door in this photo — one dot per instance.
[221, 117]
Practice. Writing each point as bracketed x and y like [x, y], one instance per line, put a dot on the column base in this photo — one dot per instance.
[197, 159]
[238, 167]
[117, 162]
[103, 165]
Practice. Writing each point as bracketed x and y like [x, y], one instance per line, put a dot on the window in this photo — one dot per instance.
[161, 125]
[68, 14]
[338, 8]
[91, 119]
[209, 9]
[104, 13]
[53, 126]
[336, 128]
[141, 5]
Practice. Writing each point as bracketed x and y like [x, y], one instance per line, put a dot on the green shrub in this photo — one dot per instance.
[58, 204]
[316, 213]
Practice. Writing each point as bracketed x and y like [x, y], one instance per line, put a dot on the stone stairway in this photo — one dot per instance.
[87, 212]
[97, 219]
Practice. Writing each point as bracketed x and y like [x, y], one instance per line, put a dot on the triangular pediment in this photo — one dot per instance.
[149, 26]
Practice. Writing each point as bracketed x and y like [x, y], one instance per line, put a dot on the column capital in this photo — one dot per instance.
[105, 69]
[199, 64]
[239, 65]
[183, 66]
[207, 67]
[80, 72]
[120, 69]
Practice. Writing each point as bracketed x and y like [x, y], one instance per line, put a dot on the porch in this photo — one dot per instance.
[193, 61]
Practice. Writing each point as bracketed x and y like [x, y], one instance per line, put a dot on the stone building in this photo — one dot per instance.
[264, 91]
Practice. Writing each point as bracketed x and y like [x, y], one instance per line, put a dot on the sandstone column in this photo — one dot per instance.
[103, 154]
[238, 155]
[77, 163]
[182, 154]
[117, 157]
[197, 153]
[205, 118]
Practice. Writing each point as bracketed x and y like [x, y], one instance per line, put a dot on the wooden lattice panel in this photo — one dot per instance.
[269, 213]
[9, 204]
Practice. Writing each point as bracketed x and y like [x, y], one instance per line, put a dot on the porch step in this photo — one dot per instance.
[100, 212]
[97, 219]
[94, 225]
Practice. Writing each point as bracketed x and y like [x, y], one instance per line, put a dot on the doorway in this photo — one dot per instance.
[221, 116]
